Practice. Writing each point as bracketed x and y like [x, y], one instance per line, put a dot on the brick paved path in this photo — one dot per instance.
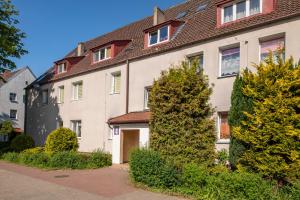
[20, 182]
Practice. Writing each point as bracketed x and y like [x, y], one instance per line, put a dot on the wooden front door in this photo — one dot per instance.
[130, 140]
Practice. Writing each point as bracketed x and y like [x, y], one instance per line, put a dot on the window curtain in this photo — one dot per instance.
[230, 62]
[117, 83]
[228, 14]
[271, 46]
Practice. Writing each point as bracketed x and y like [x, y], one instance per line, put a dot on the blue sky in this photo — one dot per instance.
[54, 27]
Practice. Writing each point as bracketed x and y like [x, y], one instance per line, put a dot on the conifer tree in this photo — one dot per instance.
[272, 131]
[181, 126]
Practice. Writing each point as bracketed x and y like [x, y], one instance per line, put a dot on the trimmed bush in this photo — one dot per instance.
[148, 167]
[61, 139]
[22, 142]
[181, 124]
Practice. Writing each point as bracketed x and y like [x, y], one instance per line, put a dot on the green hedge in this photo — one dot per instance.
[61, 160]
[202, 182]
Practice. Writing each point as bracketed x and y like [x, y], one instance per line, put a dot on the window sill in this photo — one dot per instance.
[228, 76]
[13, 101]
[113, 93]
[223, 141]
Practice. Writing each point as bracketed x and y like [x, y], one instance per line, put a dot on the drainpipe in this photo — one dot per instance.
[127, 86]
[25, 110]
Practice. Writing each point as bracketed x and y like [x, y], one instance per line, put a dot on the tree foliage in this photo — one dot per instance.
[182, 128]
[239, 104]
[10, 36]
[272, 131]
[6, 128]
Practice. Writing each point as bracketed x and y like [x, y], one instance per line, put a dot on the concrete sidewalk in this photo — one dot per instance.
[19, 182]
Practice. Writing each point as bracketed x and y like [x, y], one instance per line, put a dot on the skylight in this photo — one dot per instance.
[181, 15]
[201, 7]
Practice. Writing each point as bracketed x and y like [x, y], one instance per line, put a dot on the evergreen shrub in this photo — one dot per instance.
[22, 142]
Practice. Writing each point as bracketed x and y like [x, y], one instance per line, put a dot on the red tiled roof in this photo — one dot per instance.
[199, 27]
[131, 118]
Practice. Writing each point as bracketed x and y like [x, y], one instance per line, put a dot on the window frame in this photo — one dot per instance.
[147, 91]
[16, 114]
[158, 36]
[59, 100]
[98, 51]
[221, 50]
[15, 99]
[219, 139]
[268, 39]
[234, 10]
[63, 69]
[75, 122]
[45, 91]
[75, 86]
[113, 82]
[191, 56]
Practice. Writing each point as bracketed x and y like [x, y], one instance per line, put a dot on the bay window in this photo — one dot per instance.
[230, 61]
[158, 36]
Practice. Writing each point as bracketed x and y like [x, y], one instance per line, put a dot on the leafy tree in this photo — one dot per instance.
[182, 128]
[272, 131]
[239, 104]
[6, 128]
[10, 36]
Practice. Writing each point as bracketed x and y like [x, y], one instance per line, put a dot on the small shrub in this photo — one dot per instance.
[11, 157]
[194, 176]
[147, 167]
[62, 139]
[99, 159]
[223, 157]
[34, 150]
[67, 159]
[22, 142]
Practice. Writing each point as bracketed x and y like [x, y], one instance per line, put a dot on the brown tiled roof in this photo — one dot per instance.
[199, 27]
[131, 118]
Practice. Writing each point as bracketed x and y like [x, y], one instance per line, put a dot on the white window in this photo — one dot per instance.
[61, 94]
[223, 126]
[45, 96]
[276, 46]
[116, 83]
[240, 9]
[230, 61]
[159, 36]
[77, 90]
[62, 68]
[102, 54]
[13, 97]
[196, 59]
[13, 114]
[146, 98]
[76, 127]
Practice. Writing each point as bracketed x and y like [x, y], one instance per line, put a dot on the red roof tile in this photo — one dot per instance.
[199, 27]
[131, 118]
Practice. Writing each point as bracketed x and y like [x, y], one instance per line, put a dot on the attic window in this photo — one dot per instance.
[159, 36]
[61, 68]
[201, 7]
[181, 15]
[102, 54]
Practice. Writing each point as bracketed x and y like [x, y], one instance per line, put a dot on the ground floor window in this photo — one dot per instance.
[223, 126]
[13, 114]
[76, 127]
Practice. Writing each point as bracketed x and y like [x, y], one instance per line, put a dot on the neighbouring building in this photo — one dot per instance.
[12, 96]
[100, 89]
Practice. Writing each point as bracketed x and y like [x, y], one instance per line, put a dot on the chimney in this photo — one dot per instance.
[80, 49]
[158, 16]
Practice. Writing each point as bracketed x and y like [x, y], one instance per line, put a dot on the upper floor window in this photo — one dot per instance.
[77, 90]
[116, 83]
[13, 97]
[240, 9]
[146, 98]
[223, 126]
[274, 46]
[61, 68]
[197, 60]
[230, 61]
[61, 94]
[102, 54]
[76, 127]
[13, 114]
[45, 96]
[159, 36]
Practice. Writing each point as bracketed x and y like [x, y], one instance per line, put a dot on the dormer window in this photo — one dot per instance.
[61, 68]
[159, 36]
[240, 9]
[102, 54]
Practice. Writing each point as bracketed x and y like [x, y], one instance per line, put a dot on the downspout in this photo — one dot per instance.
[25, 110]
[127, 86]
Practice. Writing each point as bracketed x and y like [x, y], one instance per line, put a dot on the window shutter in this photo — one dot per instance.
[79, 90]
[117, 83]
